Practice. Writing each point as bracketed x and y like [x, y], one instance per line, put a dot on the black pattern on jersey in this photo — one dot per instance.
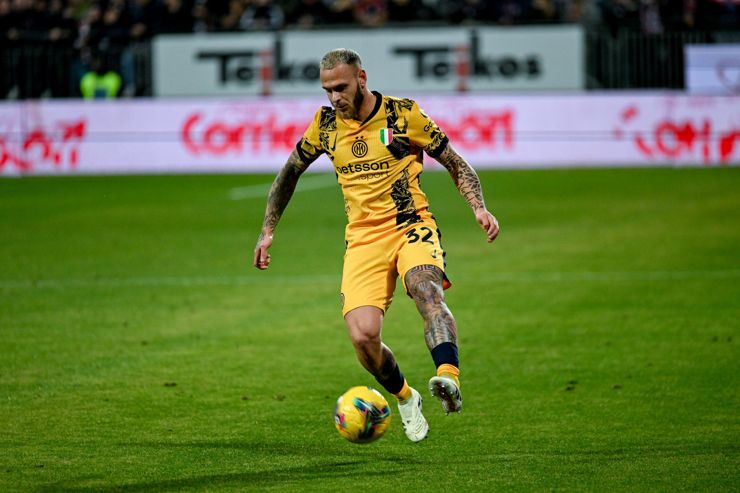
[324, 140]
[399, 146]
[307, 152]
[404, 201]
[437, 137]
[328, 119]
[327, 123]
[438, 143]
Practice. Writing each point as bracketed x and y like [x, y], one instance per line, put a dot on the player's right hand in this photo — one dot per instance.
[261, 257]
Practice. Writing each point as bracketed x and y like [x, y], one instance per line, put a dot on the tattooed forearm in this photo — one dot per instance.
[424, 284]
[282, 190]
[464, 176]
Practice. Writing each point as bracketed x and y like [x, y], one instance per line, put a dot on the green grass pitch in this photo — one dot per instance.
[140, 351]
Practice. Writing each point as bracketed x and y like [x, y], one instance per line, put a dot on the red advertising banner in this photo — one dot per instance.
[256, 135]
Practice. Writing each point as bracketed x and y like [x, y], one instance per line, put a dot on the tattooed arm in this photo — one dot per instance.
[280, 193]
[468, 184]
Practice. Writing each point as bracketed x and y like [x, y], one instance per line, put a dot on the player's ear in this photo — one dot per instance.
[362, 76]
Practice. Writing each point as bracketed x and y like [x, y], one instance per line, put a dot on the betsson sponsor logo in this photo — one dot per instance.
[359, 168]
[368, 171]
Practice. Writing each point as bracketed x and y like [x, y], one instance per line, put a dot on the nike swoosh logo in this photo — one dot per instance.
[334, 147]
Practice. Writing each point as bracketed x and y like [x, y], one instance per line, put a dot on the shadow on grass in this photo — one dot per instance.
[339, 465]
[296, 476]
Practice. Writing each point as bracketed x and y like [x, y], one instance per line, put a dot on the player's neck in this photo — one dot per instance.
[367, 106]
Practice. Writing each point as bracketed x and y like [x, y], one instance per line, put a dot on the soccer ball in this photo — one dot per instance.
[362, 415]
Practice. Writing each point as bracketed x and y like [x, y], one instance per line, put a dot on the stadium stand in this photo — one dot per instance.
[60, 38]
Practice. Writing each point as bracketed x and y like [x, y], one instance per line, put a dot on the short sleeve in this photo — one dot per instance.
[309, 147]
[425, 133]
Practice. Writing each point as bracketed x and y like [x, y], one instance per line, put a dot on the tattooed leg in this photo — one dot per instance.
[424, 284]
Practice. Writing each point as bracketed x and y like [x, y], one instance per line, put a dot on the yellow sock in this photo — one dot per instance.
[405, 393]
[449, 371]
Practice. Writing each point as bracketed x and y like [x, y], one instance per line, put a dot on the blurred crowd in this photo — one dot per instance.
[96, 23]
[47, 47]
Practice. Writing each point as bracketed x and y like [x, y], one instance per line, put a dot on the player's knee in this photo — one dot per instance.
[427, 292]
[363, 335]
[364, 331]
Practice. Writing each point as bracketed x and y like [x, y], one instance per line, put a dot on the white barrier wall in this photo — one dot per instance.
[256, 135]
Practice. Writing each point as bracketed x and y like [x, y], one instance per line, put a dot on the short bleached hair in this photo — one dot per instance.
[340, 55]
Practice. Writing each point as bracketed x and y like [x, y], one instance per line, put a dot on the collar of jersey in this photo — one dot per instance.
[378, 102]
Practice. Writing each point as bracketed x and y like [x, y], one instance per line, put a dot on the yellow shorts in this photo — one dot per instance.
[371, 269]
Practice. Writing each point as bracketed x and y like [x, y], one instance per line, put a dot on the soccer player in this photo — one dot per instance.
[375, 143]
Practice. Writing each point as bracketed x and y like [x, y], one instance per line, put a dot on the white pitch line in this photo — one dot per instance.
[583, 276]
[495, 277]
[310, 182]
[184, 281]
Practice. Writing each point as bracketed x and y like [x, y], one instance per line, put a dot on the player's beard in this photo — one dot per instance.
[353, 111]
[357, 103]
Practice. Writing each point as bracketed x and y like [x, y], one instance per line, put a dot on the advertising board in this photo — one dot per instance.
[257, 134]
[713, 69]
[420, 60]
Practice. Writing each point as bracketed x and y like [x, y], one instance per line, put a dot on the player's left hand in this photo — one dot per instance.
[488, 222]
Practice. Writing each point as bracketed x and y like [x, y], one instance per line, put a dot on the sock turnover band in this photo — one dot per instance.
[445, 354]
[405, 393]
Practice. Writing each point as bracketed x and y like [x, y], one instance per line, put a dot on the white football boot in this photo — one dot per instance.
[414, 423]
[446, 390]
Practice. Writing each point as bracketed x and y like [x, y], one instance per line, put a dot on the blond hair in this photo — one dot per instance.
[338, 56]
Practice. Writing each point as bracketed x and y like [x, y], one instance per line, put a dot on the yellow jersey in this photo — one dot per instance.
[377, 162]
